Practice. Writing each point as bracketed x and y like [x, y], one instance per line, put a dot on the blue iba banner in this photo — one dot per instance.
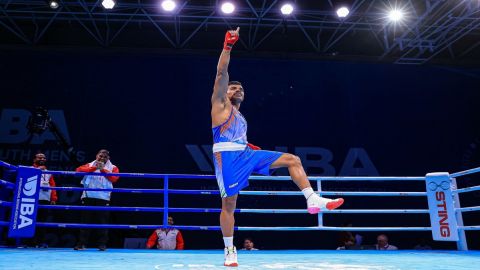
[25, 203]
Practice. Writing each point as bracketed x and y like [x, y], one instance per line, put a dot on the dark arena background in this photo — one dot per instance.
[373, 93]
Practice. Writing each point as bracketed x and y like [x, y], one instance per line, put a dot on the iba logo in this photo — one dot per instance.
[25, 203]
[315, 160]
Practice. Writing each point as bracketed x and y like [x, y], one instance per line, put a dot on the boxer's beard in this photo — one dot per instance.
[40, 162]
[235, 101]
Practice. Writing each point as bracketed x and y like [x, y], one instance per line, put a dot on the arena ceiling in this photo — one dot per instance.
[431, 31]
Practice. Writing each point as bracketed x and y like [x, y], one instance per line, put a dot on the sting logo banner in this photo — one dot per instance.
[440, 204]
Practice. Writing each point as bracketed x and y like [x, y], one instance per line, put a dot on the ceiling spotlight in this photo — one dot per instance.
[286, 9]
[395, 15]
[53, 4]
[169, 5]
[108, 4]
[343, 12]
[227, 8]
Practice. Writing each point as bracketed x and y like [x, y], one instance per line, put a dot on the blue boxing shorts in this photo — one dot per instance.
[233, 168]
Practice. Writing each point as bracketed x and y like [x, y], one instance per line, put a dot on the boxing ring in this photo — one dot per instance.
[440, 189]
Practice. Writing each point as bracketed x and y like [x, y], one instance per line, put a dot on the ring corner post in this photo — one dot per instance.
[462, 239]
[165, 201]
[320, 214]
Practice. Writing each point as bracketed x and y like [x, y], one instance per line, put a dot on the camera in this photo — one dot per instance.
[39, 121]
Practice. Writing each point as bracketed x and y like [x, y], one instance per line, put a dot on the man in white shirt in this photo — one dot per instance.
[101, 164]
[382, 243]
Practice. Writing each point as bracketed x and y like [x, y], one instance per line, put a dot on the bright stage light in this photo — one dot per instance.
[343, 12]
[53, 4]
[169, 5]
[227, 8]
[395, 15]
[286, 9]
[108, 4]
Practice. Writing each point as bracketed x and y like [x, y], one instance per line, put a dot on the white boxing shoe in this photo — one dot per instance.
[231, 257]
[316, 204]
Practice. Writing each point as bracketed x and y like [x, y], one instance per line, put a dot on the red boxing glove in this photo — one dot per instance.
[230, 38]
[253, 147]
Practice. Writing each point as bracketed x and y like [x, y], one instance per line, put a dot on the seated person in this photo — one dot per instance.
[346, 239]
[248, 244]
[382, 243]
[166, 238]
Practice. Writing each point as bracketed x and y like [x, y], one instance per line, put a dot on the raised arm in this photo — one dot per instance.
[221, 80]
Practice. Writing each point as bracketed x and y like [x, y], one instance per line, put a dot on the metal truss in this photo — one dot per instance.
[443, 30]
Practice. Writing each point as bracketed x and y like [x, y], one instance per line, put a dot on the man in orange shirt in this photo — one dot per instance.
[96, 198]
[166, 238]
[46, 197]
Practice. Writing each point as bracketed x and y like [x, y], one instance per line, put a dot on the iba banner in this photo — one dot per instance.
[25, 203]
[440, 203]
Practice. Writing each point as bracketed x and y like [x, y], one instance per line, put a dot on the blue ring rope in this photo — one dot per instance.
[265, 178]
[264, 211]
[468, 209]
[217, 228]
[217, 210]
[467, 189]
[7, 165]
[6, 204]
[7, 184]
[243, 192]
[324, 178]
[466, 172]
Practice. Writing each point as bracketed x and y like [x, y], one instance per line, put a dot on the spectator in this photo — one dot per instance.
[248, 244]
[166, 238]
[46, 197]
[102, 164]
[382, 243]
[346, 239]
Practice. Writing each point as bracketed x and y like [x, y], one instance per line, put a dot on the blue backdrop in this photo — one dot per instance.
[152, 111]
